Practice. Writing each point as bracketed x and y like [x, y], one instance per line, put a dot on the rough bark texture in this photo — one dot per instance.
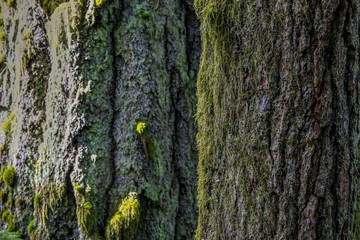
[278, 117]
[78, 76]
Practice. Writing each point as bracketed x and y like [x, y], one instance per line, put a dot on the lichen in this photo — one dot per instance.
[124, 224]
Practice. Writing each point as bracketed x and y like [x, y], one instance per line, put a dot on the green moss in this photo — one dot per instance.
[19, 202]
[11, 3]
[99, 3]
[2, 60]
[87, 219]
[142, 127]
[49, 6]
[7, 126]
[3, 169]
[125, 222]
[2, 34]
[9, 176]
[78, 189]
[2, 196]
[10, 201]
[37, 200]
[4, 216]
[26, 35]
[31, 227]
[11, 227]
[144, 15]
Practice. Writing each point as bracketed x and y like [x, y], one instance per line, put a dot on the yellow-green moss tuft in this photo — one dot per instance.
[11, 227]
[124, 224]
[37, 200]
[99, 3]
[2, 196]
[5, 215]
[3, 169]
[6, 127]
[9, 177]
[78, 189]
[87, 219]
[31, 227]
[49, 6]
[11, 3]
[142, 127]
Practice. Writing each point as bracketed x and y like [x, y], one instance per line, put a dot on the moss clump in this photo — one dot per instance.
[3, 169]
[11, 223]
[2, 196]
[49, 6]
[124, 224]
[87, 219]
[144, 15]
[2, 34]
[11, 3]
[6, 127]
[99, 3]
[19, 202]
[26, 35]
[9, 176]
[78, 189]
[31, 227]
[37, 200]
[2, 60]
[5, 215]
[142, 127]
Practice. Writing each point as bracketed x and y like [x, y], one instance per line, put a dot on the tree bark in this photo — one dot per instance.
[79, 76]
[278, 118]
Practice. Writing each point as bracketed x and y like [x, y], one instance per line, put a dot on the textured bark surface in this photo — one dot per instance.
[278, 117]
[79, 77]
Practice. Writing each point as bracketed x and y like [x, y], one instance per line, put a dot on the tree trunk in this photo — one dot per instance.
[278, 117]
[78, 76]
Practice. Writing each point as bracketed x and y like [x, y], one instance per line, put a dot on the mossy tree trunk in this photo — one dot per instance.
[79, 75]
[278, 117]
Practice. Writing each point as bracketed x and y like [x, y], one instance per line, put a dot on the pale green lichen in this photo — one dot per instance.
[125, 222]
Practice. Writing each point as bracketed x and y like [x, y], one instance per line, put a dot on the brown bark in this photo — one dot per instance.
[278, 119]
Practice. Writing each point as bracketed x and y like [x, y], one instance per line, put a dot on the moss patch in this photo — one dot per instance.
[9, 177]
[125, 222]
